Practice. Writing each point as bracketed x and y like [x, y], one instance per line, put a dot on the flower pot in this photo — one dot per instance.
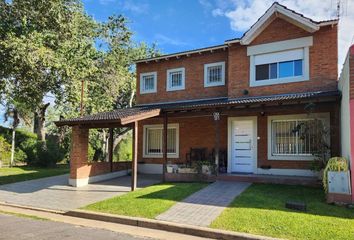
[169, 169]
[206, 169]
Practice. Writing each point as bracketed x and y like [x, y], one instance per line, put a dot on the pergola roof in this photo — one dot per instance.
[125, 116]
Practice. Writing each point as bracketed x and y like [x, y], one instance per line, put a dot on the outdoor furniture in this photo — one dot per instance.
[222, 159]
[195, 155]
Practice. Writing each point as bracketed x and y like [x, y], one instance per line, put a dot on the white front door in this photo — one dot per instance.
[243, 146]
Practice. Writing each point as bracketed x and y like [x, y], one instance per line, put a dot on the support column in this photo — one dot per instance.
[216, 116]
[79, 173]
[110, 149]
[164, 159]
[135, 156]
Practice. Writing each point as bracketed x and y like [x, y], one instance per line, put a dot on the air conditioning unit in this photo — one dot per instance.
[339, 182]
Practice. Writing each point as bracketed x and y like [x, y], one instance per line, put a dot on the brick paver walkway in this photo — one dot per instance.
[202, 207]
[54, 192]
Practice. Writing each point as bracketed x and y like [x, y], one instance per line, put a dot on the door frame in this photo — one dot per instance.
[230, 121]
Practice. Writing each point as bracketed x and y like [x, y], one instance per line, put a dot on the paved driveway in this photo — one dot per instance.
[54, 192]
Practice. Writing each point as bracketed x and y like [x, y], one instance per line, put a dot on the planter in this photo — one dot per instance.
[169, 169]
[186, 170]
[339, 190]
[206, 169]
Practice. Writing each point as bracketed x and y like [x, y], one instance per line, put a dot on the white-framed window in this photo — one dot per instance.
[153, 141]
[296, 137]
[279, 62]
[214, 74]
[175, 79]
[148, 82]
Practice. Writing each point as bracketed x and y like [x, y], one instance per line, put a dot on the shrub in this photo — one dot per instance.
[335, 164]
[29, 147]
[20, 156]
[5, 151]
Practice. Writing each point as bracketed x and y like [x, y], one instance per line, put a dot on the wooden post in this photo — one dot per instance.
[135, 157]
[110, 148]
[164, 147]
[216, 116]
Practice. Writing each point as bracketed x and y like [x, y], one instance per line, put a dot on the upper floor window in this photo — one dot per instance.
[214, 74]
[175, 79]
[280, 62]
[148, 82]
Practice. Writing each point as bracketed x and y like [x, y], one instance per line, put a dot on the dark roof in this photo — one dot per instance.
[119, 116]
[243, 100]
[129, 115]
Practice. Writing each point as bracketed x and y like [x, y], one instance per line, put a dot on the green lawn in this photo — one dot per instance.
[147, 202]
[261, 210]
[18, 174]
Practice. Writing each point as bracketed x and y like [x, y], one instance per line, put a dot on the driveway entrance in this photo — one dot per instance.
[55, 194]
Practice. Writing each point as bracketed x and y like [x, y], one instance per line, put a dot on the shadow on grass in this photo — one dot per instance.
[274, 197]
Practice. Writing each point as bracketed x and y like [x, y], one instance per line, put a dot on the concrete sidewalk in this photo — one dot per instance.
[202, 207]
[55, 194]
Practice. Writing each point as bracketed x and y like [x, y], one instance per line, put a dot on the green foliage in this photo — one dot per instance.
[123, 151]
[5, 149]
[334, 164]
[20, 156]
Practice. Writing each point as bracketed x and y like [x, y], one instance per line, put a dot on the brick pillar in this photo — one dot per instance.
[79, 171]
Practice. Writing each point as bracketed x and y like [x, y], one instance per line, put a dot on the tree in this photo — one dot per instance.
[46, 46]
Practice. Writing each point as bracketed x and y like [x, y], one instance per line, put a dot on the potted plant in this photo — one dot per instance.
[205, 167]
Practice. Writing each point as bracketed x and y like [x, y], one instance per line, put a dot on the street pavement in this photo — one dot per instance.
[21, 228]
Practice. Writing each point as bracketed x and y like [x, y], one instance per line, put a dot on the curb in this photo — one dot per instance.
[5, 204]
[166, 226]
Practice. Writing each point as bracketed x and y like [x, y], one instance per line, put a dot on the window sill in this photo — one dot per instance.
[160, 156]
[214, 85]
[291, 158]
[175, 89]
[147, 92]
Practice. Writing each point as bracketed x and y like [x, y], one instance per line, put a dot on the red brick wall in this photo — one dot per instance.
[200, 132]
[323, 67]
[194, 75]
[323, 61]
[194, 132]
[351, 71]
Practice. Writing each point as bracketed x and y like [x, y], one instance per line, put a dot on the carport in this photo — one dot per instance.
[82, 171]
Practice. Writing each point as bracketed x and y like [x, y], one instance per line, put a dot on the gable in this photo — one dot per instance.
[275, 32]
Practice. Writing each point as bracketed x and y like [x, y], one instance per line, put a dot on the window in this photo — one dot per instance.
[148, 82]
[153, 140]
[295, 137]
[214, 74]
[279, 62]
[279, 70]
[175, 79]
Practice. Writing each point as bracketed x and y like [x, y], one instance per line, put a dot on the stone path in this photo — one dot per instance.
[202, 207]
[54, 192]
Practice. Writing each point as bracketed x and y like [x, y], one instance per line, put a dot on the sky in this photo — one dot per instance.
[179, 25]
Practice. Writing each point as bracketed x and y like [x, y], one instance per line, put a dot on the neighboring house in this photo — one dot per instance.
[260, 99]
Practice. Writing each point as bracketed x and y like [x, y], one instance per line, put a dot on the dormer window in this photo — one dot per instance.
[214, 74]
[279, 62]
[148, 82]
[175, 79]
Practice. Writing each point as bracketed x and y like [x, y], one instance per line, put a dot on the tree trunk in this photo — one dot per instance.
[39, 121]
[13, 147]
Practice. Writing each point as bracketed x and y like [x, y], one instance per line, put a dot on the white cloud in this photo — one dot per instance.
[243, 13]
[135, 7]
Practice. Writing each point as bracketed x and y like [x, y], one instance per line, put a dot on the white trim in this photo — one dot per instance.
[280, 49]
[230, 121]
[325, 117]
[288, 172]
[80, 182]
[286, 14]
[186, 53]
[168, 80]
[280, 46]
[149, 168]
[160, 126]
[142, 91]
[206, 83]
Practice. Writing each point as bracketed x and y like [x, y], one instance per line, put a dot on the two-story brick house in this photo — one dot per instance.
[259, 103]
[261, 85]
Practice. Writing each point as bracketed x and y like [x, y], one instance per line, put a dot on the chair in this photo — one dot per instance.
[196, 154]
